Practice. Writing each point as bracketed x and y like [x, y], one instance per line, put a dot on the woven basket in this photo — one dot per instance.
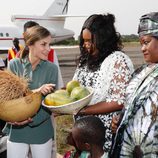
[20, 109]
[11, 86]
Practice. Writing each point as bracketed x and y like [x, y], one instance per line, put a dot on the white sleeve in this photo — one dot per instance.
[119, 82]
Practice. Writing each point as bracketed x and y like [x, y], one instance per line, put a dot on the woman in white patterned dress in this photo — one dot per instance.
[104, 67]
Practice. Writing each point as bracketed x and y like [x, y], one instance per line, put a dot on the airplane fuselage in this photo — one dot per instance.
[53, 20]
[7, 33]
[52, 24]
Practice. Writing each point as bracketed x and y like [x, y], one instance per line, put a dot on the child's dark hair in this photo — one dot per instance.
[91, 130]
[104, 37]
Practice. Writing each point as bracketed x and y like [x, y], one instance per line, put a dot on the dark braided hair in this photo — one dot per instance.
[104, 38]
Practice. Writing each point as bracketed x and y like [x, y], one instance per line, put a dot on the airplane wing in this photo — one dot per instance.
[31, 17]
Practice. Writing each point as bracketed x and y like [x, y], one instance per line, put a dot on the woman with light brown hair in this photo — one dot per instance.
[36, 132]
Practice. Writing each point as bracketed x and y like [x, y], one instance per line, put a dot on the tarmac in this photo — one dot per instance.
[67, 56]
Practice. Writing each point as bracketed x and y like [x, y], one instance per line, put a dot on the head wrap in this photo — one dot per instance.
[148, 24]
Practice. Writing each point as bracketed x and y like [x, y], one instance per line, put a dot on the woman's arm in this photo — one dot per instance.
[101, 108]
[114, 99]
[45, 89]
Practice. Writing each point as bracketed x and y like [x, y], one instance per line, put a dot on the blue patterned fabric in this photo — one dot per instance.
[138, 131]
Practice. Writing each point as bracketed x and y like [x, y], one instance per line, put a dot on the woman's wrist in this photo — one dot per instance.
[36, 90]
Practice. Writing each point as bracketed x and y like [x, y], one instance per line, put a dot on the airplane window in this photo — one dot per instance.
[7, 34]
[1, 34]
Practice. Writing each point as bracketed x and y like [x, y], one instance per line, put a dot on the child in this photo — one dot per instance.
[88, 138]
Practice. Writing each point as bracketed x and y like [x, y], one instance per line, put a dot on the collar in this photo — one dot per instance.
[26, 62]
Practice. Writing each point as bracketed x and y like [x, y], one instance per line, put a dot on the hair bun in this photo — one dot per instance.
[110, 18]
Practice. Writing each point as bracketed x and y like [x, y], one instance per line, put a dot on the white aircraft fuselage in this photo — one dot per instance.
[53, 20]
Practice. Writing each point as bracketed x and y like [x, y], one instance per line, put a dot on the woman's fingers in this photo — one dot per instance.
[21, 123]
[47, 88]
[114, 123]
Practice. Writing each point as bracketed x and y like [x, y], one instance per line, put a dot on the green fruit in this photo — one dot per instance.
[79, 93]
[56, 99]
[61, 99]
[71, 85]
[62, 92]
[49, 100]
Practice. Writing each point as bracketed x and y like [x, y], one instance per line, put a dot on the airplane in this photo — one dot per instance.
[53, 19]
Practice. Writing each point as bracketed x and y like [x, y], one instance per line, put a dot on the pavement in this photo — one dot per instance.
[67, 56]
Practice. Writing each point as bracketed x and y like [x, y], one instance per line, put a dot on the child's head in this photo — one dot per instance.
[87, 132]
[16, 42]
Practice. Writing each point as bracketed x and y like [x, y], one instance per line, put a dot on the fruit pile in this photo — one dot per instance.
[73, 92]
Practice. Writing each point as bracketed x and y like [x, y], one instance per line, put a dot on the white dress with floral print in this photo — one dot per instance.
[109, 83]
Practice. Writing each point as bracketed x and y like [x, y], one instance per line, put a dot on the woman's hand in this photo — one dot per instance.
[115, 123]
[21, 123]
[46, 89]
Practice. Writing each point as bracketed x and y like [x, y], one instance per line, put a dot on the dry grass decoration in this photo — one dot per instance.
[17, 102]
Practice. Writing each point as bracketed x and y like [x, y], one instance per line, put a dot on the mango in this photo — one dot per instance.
[79, 93]
[56, 99]
[71, 85]
[62, 92]
[49, 100]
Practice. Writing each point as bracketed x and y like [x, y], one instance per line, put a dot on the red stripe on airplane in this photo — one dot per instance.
[38, 19]
[10, 38]
[23, 39]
